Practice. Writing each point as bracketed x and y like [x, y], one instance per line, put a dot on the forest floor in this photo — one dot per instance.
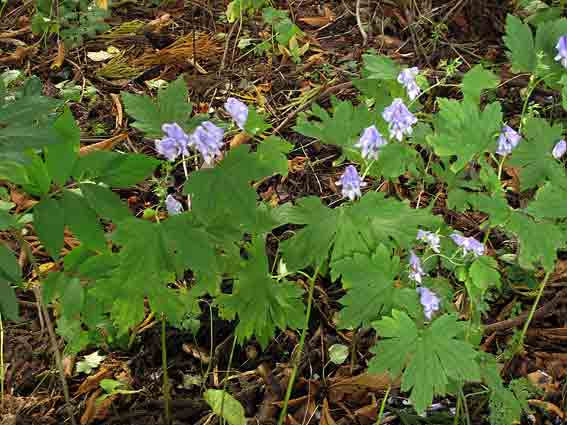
[194, 39]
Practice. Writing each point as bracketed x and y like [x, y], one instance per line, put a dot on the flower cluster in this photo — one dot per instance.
[351, 183]
[400, 120]
[507, 141]
[237, 110]
[559, 149]
[173, 206]
[370, 142]
[432, 239]
[174, 143]
[562, 51]
[468, 244]
[429, 300]
[207, 138]
[416, 271]
[407, 79]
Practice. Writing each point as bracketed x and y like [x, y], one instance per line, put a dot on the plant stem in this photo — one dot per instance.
[383, 406]
[2, 370]
[297, 358]
[166, 393]
[534, 308]
[225, 384]
[42, 312]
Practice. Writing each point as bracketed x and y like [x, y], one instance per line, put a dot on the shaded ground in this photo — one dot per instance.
[193, 39]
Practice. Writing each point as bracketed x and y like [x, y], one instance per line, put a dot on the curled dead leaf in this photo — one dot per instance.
[239, 139]
[104, 145]
[60, 57]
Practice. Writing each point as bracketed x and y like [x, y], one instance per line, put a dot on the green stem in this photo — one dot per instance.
[534, 308]
[383, 406]
[166, 392]
[2, 370]
[225, 384]
[297, 357]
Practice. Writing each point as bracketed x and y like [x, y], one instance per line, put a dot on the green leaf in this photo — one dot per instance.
[380, 67]
[432, 357]
[464, 131]
[82, 221]
[61, 157]
[370, 287]
[39, 180]
[171, 107]
[222, 197]
[342, 129]
[533, 154]
[49, 224]
[271, 155]
[356, 228]
[172, 102]
[281, 305]
[549, 202]
[538, 241]
[520, 43]
[72, 298]
[9, 267]
[394, 160]
[547, 35]
[9, 274]
[255, 123]
[106, 203]
[476, 80]
[115, 169]
[484, 273]
[225, 406]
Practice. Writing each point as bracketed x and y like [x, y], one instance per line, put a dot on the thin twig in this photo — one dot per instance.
[359, 23]
[517, 321]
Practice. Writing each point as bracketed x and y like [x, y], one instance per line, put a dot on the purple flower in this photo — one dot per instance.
[468, 244]
[407, 79]
[428, 300]
[432, 239]
[559, 149]
[237, 110]
[173, 206]
[562, 50]
[507, 141]
[399, 118]
[351, 183]
[370, 142]
[174, 143]
[416, 271]
[207, 139]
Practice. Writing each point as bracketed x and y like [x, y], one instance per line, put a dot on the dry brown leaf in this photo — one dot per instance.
[19, 55]
[340, 387]
[239, 139]
[92, 382]
[105, 145]
[196, 352]
[119, 110]
[23, 202]
[60, 58]
[319, 21]
[326, 418]
[550, 407]
[68, 361]
[96, 410]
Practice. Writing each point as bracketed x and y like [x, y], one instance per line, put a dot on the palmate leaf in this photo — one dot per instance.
[476, 80]
[9, 273]
[223, 198]
[549, 202]
[538, 241]
[340, 129]
[533, 154]
[520, 43]
[464, 131]
[261, 303]
[369, 282]
[171, 106]
[547, 36]
[432, 357]
[352, 228]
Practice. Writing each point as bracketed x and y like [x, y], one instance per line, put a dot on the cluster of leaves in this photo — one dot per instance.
[73, 20]
[218, 248]
[236, 9]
